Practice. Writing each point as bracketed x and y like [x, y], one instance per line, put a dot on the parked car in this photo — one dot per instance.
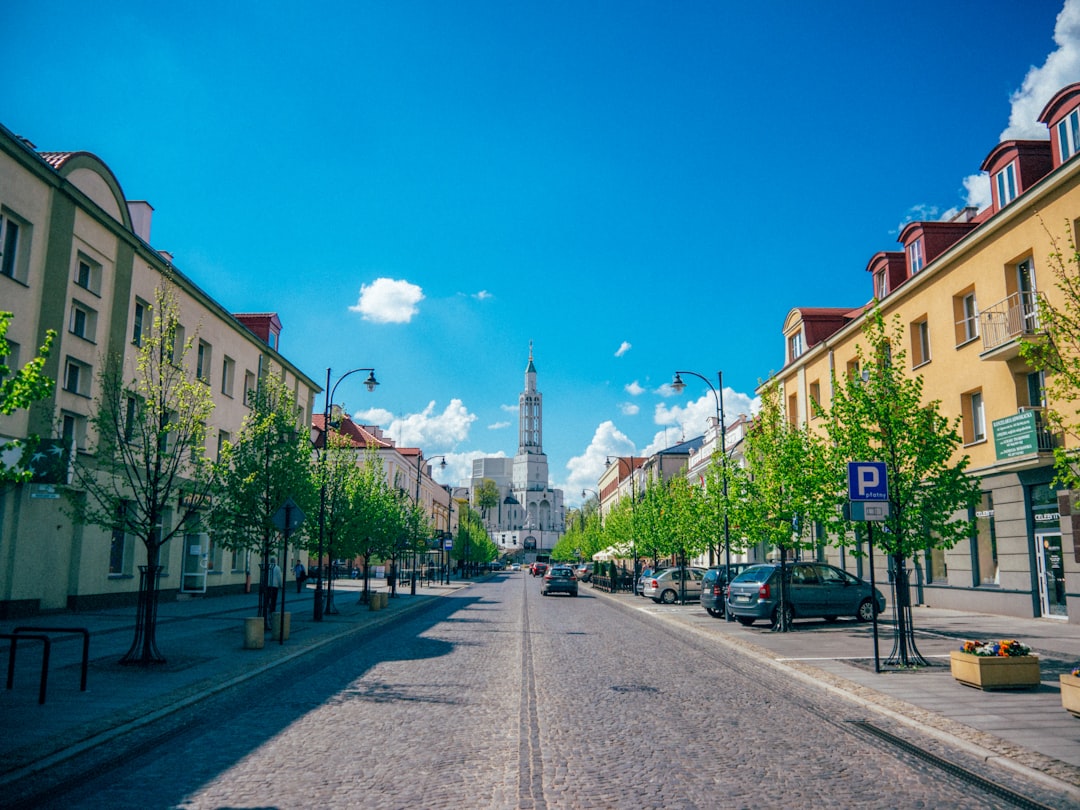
[674, 583]
[559, 579]
[537, 569]
[646, 573]
[583, 571]
[813, 590]
[515, 567]
[714, 587]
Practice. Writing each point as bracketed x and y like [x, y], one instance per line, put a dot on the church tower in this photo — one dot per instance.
[530, 463]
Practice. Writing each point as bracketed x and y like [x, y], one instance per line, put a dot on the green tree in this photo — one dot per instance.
[787, 487]
[266, 463]
[20, 388]
[880, 415]
[149, 462]
[1056, 352]
[485, 497]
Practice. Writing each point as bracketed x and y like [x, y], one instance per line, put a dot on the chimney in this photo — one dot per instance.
[141, 211]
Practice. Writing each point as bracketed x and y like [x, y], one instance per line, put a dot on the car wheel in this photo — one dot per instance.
[866, 610]
[745, 621]
[668, 597]
[716, 614]
[789, 614]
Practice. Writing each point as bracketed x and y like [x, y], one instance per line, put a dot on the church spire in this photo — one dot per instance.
[530, 417]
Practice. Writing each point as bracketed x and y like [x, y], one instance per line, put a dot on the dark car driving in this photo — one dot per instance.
[813, 591]
[559, 579]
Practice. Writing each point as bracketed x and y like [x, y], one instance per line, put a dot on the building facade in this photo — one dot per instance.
[529, 517]
[76, 258]
[966, 291]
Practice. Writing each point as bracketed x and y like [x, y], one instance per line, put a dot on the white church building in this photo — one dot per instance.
[530, 517]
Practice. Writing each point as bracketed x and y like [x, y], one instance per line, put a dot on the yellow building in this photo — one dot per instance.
[75, 257]
[966, 290]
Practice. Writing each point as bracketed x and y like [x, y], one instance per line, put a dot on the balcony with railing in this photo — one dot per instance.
[1002, 324]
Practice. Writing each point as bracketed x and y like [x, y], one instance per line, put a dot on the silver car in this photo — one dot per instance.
[670, 585]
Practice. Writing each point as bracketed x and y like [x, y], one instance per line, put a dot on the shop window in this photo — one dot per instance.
[984, 562]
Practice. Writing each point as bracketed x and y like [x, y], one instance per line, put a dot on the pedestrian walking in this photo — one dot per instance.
[273, 584]
[301, 575]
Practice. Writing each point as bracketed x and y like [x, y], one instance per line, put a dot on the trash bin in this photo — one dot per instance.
[275, 625]
[254, 628]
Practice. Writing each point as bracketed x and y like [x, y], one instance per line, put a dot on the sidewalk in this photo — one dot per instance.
[1027, 729]
[202, 640]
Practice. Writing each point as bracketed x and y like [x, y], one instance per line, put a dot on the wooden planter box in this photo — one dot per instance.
[1070, 694]
[995, 671]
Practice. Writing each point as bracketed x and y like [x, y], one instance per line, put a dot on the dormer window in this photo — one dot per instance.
[1005, 182]
[881, 284]
[916, 259]
[795, 346]
[1069, 135]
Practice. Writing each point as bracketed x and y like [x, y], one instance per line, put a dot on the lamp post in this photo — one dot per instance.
[448, 537]
[419, 466]
[633, 545]
[370, 384]
[718, 398]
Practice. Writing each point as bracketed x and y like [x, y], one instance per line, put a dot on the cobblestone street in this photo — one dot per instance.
[499, 698]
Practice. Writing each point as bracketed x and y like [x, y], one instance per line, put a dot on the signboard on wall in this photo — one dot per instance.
[1016, 435]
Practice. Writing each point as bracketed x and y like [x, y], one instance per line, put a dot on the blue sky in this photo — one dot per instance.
[635, 187]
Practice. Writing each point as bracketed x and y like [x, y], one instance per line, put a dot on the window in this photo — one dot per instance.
[179, 344]
[881, 284]
[853, 369]
[1069, 135]
[77, 377]
[1005, 183]
[920, 343]
[815, 397]
[222, 440]
[121, 549]
[916, 261]
[984, 564]
[795, 346]
[83, 321]
[793, 410]
[73, 430]
[138, 318]
[974, 417]
[131, 416]
[202, 362]
[937, 568]
[966, 312]
[228, 373]
[1029, 304]
[88, 274]
[1036, 388]
[249, 388]
[14, 246]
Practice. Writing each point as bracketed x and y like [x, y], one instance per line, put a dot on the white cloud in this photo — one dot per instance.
[498, 425]
[629, 409]
[634, 389]
[458, 469]
[483, 295]
[624, 347]
[427, 430]
[585, 470]
[692, 419]
[510, 408]
[388, 300]
[1061, 67]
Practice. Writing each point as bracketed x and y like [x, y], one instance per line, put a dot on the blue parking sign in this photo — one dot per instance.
[867, 481]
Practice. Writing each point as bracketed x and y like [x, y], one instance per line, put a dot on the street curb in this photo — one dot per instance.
[929, 723]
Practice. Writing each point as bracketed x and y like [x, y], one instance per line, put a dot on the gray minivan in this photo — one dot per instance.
[813, 591]
[715, 584]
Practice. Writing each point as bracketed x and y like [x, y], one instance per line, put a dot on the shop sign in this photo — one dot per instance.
[1016, 435]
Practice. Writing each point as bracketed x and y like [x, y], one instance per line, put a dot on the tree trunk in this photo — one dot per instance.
[144, 649]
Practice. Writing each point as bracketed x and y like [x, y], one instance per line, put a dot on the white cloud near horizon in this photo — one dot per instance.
[585, 470]
[388, 300]
[624, 347]
[498, 425]
[433, 432]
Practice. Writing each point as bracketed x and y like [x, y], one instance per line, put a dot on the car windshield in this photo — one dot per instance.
[561, 572]
[758, 573]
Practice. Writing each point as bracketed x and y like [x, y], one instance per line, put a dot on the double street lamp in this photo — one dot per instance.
[370, 384]
[718, 398]
[419, 466]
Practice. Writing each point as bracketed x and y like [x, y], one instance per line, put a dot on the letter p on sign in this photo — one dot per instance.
[867, 481]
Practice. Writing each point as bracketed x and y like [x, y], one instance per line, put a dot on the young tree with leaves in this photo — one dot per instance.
[1056, 352]
[19, 389]
[880, 415]
[149, 462]
[787, 487]
[263, 466]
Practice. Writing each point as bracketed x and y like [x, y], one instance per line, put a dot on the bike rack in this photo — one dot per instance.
[14, 638]
[85, 646]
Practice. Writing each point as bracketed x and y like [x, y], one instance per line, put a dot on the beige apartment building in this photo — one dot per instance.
[965, 291]
[76, 258]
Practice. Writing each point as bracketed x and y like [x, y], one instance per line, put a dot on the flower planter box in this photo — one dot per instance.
[1070, 694]
[995, 671]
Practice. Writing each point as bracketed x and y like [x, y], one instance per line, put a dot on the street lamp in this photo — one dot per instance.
[718, 398]
[419, 466]
[633, 545]
[370, 384]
